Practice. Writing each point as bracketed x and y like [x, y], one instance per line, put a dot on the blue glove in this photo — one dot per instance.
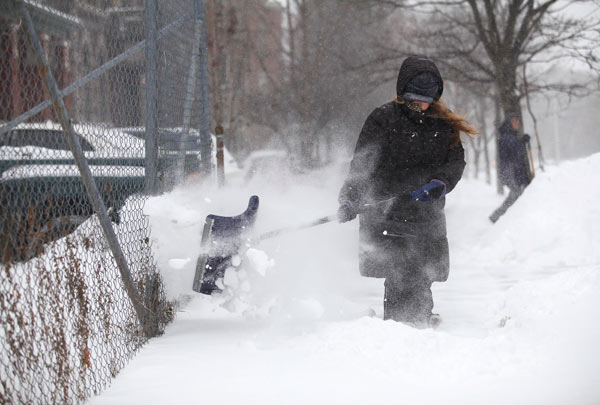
[433, 190]
[346, 212]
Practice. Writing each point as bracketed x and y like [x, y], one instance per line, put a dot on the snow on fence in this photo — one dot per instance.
[67, 324]
[100, 106]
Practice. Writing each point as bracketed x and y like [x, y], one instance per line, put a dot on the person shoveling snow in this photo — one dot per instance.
[407, 158]
[410, 146]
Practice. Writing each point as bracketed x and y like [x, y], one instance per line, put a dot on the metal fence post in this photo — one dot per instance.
[151, 135]
[190, 96]
[205, 137]
[219, 132]
[97, 203]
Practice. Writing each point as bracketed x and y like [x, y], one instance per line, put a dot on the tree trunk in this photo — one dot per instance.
[497, 121]
[485, 138]
[506, 83]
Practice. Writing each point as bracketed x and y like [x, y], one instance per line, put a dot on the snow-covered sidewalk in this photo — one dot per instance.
[521, 309]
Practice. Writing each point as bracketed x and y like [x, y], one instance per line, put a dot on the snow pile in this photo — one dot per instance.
[556, 222]
[543, 355]
[520, 308]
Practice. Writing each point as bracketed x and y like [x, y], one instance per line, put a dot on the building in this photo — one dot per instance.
[244, 53]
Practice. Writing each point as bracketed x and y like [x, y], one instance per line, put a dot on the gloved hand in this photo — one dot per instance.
[346, 212]
[526, 138]
[433, 190]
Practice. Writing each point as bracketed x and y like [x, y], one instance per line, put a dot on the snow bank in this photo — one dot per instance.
[520, 308]
[542, 355]
[556, 222]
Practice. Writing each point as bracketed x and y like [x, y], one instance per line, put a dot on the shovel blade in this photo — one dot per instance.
[222, 238]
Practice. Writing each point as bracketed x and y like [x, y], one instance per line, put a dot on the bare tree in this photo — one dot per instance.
[244, 44]
[501, 50]
[321, 36]
[318, 88]
[313, 86]
[481, 42]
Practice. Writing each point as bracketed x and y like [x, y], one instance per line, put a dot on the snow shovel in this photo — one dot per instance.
[222, 238]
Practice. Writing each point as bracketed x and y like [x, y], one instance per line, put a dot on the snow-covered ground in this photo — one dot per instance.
[295, 325]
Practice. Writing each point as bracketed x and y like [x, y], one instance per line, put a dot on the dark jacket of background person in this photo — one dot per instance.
[398, 151]
[513, 162]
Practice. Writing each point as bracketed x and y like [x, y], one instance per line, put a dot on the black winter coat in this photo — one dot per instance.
[398, 151]
[513, 162]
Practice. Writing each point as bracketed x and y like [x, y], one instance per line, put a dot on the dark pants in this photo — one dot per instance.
[408, 299]
[515, 193]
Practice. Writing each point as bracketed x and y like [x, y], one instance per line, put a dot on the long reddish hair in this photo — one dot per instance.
[457, 122]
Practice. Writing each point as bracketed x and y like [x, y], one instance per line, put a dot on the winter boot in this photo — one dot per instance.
[435, 320]
[494, 217]
[410, 303]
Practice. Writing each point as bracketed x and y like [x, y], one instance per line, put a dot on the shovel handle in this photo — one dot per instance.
[320, 221]
[316, 222]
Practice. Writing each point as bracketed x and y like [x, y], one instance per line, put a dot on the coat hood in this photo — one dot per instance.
[411, 67]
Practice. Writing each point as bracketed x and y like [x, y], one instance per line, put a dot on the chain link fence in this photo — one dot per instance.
[124, 83]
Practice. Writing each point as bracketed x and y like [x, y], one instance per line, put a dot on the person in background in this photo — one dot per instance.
[513, 163]
[407, 158]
